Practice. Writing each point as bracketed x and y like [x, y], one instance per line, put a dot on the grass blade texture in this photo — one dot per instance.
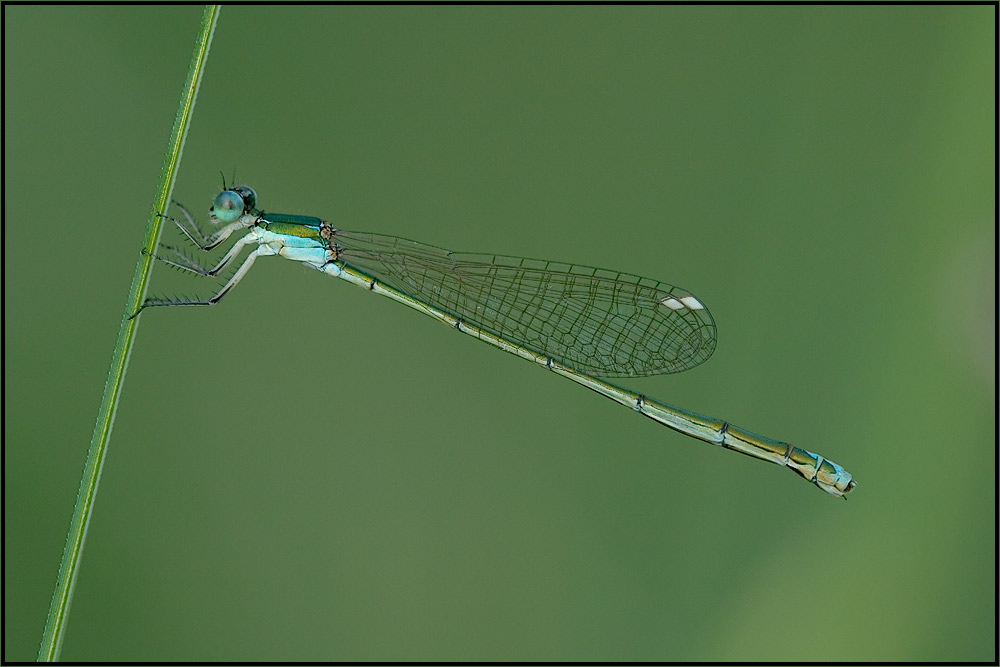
[55, 624]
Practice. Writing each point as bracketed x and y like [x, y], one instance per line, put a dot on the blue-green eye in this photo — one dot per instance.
[228, 206]
[233, 202]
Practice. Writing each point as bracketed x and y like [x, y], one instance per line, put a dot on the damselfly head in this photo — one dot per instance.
[232, 203]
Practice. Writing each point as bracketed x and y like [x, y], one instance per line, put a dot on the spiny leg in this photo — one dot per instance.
[180, 260]
[237, 277]
[194, 234]
[186, 263]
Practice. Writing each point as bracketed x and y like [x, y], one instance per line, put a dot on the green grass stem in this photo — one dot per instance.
[55, 624]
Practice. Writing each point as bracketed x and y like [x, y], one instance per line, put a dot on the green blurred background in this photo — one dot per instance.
[308, 472]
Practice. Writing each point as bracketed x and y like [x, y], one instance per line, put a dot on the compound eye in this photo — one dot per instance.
[229, 206]
[249, 196]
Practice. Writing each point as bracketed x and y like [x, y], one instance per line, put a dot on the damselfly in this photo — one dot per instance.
[580, 322]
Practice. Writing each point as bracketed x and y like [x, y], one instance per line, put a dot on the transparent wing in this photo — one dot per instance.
[598, 321]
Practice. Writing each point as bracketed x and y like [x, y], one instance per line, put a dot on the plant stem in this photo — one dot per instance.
[55, 624]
